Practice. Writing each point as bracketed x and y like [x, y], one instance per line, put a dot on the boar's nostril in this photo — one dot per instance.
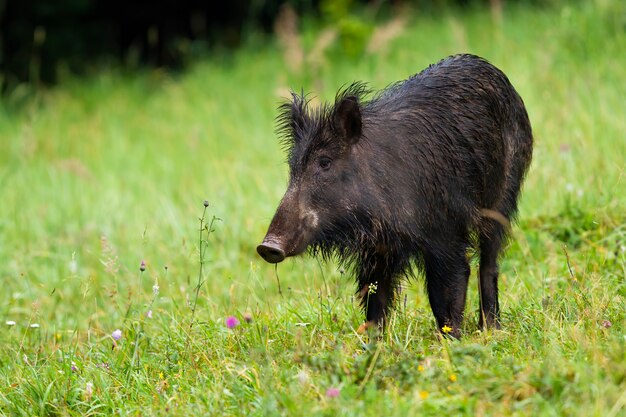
[271, 252]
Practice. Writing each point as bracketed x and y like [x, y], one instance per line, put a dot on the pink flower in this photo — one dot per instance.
[117, 334]
[332, 392]
[232, 322]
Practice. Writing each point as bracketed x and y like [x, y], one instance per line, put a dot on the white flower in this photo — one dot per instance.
[34, 326]
[73, 265]
[155, 289]
[303, 376]
[88, 390]
[10, 323]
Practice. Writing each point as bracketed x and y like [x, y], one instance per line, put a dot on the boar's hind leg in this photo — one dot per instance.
[446, 282]
[490, 245]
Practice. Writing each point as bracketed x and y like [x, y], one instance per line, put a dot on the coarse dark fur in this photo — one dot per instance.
[417, 175]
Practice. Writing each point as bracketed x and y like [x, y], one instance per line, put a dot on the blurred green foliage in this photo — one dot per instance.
[354, 30]
[41, 41]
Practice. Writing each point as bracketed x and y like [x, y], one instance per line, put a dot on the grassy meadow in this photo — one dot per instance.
[103, 172]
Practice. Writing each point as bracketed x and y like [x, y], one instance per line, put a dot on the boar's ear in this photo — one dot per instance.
[347, 119]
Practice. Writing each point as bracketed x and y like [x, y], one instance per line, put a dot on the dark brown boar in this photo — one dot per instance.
[417, 175]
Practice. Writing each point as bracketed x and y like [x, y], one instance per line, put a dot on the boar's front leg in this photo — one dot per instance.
[447, 275]
[376, 276]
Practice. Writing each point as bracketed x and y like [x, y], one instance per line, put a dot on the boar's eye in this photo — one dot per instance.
[324, 163]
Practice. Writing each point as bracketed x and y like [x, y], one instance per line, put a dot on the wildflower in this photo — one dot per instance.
[303, 376]
[232, 322]
[149, 314]
[155, 289]
[117, 334]
[74, 367]
[73, 265]
[446, 329]
[606, 324]
[88, 391]
[34, 326]
[420, 368]
[10, 323]
[142, 266]
[332, 392]
[247, 316]
[162, 386]
[423, 395]
[206, 203]
[372, 288]
[452, 378]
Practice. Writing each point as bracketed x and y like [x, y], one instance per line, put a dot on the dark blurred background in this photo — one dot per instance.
[40, 40]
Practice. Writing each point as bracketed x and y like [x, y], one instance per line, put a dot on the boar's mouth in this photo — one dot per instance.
[293, 229]
[290, 232]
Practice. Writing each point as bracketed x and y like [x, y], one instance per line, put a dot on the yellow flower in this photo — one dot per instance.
[423, 395]
[420, 368]
[452, 378]
[446, 329]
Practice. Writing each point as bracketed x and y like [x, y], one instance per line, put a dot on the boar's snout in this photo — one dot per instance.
[271, 251]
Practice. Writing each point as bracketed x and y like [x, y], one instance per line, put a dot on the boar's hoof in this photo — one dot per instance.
[365, 326]
[271, 252]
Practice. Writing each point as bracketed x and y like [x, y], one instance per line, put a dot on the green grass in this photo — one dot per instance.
[99, 174]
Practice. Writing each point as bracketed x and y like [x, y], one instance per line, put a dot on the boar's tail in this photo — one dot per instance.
[497, 216]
